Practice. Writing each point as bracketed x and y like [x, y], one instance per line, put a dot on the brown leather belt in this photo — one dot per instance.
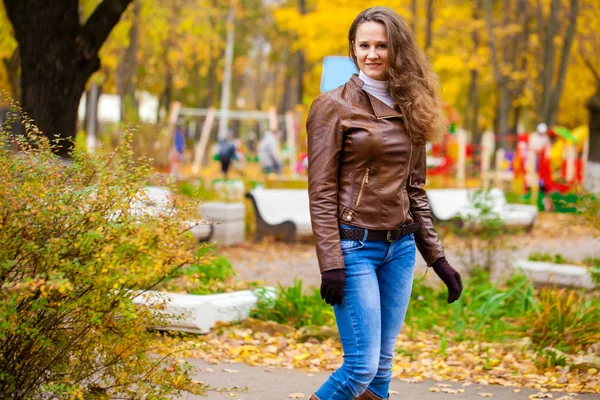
[388, 236]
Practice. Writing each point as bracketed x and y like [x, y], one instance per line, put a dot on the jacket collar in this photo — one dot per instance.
[380, 109]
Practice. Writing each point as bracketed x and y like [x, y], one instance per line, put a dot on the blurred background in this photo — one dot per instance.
[83, 70]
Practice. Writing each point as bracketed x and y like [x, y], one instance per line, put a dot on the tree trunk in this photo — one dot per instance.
[564, 60]
[548, 65]
[428, 32]
[413, 20]
[58, 55]
[88, 107]
[593, 106]
[503, 106]
[473, 104]
[12, 65]
[128, 65]
[516, 116]
[300, 62]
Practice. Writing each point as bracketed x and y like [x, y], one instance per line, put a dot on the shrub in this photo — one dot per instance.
[483, 310]
[72, 259]
[480, 234]
[564, 319]
[547, 257]
[293, 307]
[209, 274]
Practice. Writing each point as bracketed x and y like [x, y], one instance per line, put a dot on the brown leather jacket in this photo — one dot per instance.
[363, 170]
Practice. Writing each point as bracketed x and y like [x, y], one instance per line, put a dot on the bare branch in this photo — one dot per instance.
[101, 22]
[564, 61]
[492, 39]
[591, 67]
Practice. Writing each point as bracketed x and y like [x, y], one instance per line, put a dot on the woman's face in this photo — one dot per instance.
[371, 50]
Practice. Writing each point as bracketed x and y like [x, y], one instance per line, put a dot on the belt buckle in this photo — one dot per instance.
[389, 239]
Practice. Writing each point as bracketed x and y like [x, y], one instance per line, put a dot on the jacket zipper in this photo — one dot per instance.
[362, 186]
[409, 179]
[403, 187]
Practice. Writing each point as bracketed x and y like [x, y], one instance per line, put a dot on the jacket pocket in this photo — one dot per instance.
[347, 215]
[365, 180]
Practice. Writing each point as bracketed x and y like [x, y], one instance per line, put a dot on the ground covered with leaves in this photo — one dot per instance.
[500, 332]
[421, 355]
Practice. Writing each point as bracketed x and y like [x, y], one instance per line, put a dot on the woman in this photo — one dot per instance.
[366, 143]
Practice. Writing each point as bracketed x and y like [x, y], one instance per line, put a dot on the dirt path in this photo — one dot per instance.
[273, 262]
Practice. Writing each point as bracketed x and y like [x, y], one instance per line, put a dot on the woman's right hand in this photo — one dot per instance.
[332, 286]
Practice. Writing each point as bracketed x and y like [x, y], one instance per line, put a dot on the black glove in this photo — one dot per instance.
[450, 277]
[332, 286]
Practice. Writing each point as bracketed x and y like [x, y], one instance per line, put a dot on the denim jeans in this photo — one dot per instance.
[379, 278]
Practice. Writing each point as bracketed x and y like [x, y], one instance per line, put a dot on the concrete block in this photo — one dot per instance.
[229, 233]
[543, 273]
[218, 211]
[197, 313]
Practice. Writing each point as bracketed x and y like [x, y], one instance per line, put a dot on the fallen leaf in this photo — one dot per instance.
[486, 394]
[231, 371]
[449, 391]
[443, 385]
[296, 395]
[434, 389]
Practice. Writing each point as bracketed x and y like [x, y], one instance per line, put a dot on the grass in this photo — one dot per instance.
[487, 311]
[294, 307]
[214, 275]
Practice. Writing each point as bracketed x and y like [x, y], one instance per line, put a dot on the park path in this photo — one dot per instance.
[276, 262]
[260, 383]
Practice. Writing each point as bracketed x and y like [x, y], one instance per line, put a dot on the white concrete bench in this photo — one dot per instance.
[545, 273]
[281, 211]
[155, 201]
[199, 313]
[459, 205]
[229, 221]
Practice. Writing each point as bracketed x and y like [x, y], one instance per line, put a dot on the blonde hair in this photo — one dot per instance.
[413, 85]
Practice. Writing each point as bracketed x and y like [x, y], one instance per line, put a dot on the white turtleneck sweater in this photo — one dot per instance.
[379, 89]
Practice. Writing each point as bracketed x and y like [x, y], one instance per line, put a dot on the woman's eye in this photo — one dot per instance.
[363, 46]
[382, 46]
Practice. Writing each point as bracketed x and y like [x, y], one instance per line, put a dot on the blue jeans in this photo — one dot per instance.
[379, 278]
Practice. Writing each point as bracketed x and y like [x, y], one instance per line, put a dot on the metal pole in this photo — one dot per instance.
[92, 118]
[226, 89]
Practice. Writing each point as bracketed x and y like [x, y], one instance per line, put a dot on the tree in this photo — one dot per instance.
[58, 55]
[552, 86]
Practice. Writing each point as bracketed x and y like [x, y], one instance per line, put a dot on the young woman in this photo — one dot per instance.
[366, 144]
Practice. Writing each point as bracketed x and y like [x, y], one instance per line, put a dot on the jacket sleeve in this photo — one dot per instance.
[426, 237]
[325, 138]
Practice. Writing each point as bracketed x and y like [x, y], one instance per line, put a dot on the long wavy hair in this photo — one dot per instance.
[414, 86]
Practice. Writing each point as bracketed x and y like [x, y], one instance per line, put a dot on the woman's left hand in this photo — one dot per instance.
[450, 277]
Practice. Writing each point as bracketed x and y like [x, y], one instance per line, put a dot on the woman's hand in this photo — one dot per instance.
[332, 286]
[450, 277]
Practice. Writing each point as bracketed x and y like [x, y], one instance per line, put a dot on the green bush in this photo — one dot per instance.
[480, 235]
[547, 257]
[483, 310]
[293, 307]
[73, 257]
[209, 274]
[565, 319]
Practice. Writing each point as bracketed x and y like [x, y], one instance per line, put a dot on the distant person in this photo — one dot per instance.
[251, 143]
[227, 154]
[268, 152]
[177, 150]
